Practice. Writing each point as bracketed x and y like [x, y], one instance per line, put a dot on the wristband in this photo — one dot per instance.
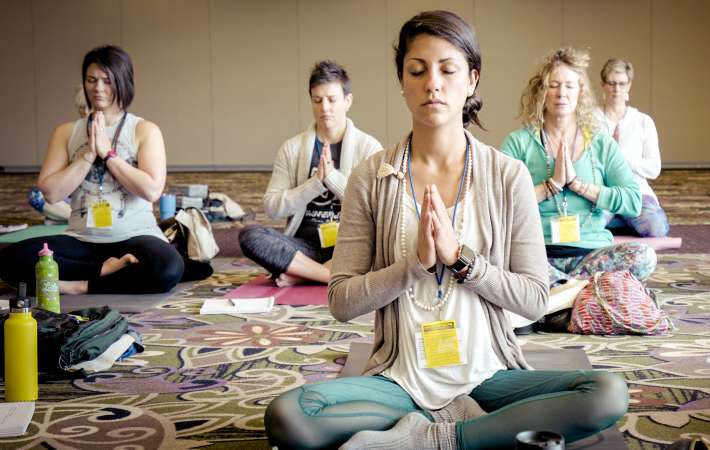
[111, 154]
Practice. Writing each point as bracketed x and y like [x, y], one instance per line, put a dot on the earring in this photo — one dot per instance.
[401, 92]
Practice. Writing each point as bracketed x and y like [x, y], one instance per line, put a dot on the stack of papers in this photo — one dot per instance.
[237, 305]
[15, 417]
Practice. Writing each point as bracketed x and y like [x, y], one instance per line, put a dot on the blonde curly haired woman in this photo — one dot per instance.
[578, 172]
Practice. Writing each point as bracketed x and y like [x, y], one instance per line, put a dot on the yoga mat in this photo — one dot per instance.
[547, 359]
[31, 232]
[263, 286]
[660, 243]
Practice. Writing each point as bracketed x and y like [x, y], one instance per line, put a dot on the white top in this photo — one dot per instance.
[291, 187]
[131, 215]
[436, 388]
[638, 140]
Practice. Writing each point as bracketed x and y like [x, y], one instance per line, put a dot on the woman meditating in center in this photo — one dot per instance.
[439, 235]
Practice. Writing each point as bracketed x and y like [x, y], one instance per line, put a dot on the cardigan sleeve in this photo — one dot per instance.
[619, 194]
[336, 180]
[355, 289]
[284, 197]
[523, 288]
[649, 166]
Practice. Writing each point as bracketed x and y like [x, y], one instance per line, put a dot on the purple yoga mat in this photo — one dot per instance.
[663, 243]
[263, 286]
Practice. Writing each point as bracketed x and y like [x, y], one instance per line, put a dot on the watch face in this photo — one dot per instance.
[467, 253]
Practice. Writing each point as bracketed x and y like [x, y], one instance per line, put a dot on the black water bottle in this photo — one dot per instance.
[535, 440]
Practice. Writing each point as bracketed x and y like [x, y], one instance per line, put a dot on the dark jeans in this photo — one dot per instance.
[159, 266]
[274, 251]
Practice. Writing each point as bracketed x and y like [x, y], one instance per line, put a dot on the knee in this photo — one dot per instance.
[248, 236]
[286, 423]
[646, 261]
[655, 228]
[609, 399]
[168, 273]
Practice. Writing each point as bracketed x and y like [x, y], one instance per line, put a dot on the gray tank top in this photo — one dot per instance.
[131, 215]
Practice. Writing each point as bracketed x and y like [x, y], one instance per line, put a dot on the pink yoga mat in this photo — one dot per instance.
[293, 295]
[663, 243]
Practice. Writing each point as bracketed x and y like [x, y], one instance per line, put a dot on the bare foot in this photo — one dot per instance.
[286, 280]
[73, 287]
[112, 264]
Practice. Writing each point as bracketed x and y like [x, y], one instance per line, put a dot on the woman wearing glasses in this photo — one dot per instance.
[636, 134]
[578, 173]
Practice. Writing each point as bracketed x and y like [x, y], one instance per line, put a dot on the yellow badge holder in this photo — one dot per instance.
[565, 229]
[441, 344]
[328, 234]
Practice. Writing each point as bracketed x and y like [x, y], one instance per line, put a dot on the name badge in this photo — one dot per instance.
[99, 215]
[328, 234]
[440, 344]
[565, 229]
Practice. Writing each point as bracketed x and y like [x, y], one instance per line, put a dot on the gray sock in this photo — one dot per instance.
[412, 432]
[461, 408]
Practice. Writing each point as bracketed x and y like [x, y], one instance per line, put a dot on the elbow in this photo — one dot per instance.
[337, 302]
[50, 195]
[153, 196]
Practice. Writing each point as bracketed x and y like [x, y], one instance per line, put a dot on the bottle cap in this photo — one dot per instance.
[45, 251]
[20, 301]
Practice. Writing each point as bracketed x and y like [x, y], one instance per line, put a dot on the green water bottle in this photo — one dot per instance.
[47, 281]
[21, 376]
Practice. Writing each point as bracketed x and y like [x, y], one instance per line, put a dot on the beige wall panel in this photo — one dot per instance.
[399, 120]
[18, 119]
[680, 67]
[254, 78]
[169, 42]
[353, 34]
[613, 28]
[64, 31]
[515, 35]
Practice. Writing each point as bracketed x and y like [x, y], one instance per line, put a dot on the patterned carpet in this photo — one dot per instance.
[204, 381]
[683, 193]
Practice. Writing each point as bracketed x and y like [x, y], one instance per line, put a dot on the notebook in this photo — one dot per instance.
[15, 417]
[237, 305]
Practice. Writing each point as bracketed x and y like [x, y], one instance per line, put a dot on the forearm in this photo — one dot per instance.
[351, 294]
[587, 190]
[135, 180]
[59, 185]
[546, 189]
[280, 201]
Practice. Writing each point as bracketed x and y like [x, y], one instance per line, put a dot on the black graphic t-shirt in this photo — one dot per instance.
[324, 208]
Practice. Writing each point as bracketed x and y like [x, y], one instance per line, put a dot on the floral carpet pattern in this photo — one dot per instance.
[205, 381]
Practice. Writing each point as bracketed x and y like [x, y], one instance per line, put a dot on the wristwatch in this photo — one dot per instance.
[461, 267]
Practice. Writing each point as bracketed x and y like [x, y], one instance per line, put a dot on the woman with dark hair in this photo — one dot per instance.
[440, 235]
[578, 172]
[307, 184]
[112, 165]
[638, 140]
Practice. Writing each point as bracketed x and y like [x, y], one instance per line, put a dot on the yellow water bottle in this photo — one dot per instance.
[21, 375]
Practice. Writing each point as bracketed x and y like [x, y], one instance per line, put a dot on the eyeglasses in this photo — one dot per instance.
[614, 84]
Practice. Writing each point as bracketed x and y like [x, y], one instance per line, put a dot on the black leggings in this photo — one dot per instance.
[159, 266]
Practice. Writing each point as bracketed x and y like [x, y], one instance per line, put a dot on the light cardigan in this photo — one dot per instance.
[291, 188]
[509, 272]
[638, 140]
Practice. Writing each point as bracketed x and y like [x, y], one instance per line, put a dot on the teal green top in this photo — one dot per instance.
[619, 193]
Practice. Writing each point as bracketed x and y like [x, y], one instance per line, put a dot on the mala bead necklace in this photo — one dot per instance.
[441, 300]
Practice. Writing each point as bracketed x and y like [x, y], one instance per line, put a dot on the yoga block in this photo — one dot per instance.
[189, 190]
[186, 202]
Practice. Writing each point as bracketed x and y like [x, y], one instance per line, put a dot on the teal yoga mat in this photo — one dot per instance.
[31, 232]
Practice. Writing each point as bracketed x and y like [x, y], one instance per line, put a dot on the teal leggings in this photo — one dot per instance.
[575, 404]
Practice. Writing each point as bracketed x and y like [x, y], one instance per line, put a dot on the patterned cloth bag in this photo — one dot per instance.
[617, 303]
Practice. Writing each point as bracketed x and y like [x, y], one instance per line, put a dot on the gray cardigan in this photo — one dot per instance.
[291, 187]
[510, 270]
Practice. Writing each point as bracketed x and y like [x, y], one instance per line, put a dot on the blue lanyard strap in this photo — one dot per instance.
[439, 274]
[102, 168]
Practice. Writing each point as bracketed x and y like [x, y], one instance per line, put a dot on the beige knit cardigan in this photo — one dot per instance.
[510, 270]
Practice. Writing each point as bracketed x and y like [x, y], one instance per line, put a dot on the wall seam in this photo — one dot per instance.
[38, 156]
[210, 54]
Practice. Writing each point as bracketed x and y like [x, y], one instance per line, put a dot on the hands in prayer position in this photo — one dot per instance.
[325, 165]
[436, 236]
